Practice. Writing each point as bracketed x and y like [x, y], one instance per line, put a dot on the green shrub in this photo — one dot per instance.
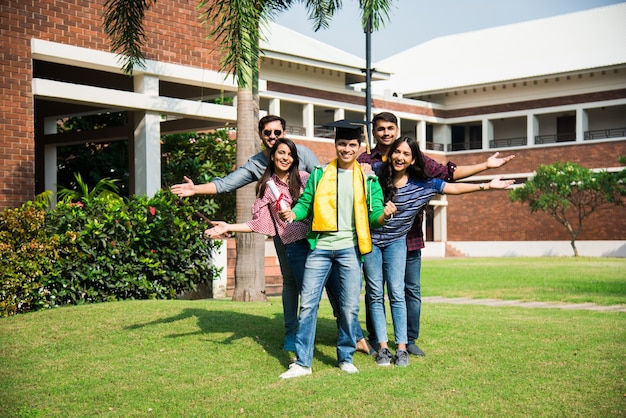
[27, 257]
[143, 248]
[103, 249]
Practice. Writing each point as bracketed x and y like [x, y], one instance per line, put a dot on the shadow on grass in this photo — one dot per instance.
[267, 332]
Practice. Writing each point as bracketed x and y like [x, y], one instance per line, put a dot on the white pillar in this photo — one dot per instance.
[532, 129]
[50, 159]
[147, 141]
[219, 258]
[274, 107]
[487, 133]
[308, 119]
[420, 134]
[582, 124]
[440, 221]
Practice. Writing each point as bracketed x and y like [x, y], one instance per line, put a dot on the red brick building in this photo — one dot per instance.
[56, 63]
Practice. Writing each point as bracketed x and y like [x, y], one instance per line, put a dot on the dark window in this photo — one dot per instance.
[566, 128]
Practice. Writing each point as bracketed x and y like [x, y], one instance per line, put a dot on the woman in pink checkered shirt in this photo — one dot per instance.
[283, 171]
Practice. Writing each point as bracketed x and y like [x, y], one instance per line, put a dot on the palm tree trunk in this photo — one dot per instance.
[250, 262]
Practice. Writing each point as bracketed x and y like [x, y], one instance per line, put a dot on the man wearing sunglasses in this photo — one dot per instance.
[271, 128]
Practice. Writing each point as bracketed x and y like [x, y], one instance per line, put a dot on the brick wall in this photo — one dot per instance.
[174, 32]
[492, 216]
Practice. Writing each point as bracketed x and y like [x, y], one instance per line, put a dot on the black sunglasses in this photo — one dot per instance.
[277, 132]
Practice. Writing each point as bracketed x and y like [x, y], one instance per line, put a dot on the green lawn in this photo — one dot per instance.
[211, 358]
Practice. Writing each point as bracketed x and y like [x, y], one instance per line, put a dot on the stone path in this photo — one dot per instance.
[522, 304]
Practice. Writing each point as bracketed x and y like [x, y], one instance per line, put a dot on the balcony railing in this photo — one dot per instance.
[605, 133]
[554, 138]
[434, 146]
[508, 142]
[295, 130]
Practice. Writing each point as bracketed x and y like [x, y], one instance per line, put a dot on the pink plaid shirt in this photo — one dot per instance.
[265, 218]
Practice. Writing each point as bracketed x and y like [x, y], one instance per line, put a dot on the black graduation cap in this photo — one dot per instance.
[347, 129]
[350, 129]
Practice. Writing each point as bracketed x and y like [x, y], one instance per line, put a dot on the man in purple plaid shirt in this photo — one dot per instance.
[385, 131]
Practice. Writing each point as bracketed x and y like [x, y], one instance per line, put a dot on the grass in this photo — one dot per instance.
[576, 280]
[212, 358]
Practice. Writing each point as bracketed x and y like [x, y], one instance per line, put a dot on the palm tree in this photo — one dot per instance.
[236, 26]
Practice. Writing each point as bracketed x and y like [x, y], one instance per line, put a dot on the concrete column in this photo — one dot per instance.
[219, 259]
[274, 107]
[147, 141]
[487, 133]
[532, 129]
[50, 159]
[440, 222]
[420, 134]
[308, 119]
[582, 124]
[147, 152]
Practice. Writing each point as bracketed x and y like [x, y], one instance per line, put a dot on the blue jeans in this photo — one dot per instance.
[386, 264]
[332, 291]
[291, 258]
[319, 264]
[412, 294]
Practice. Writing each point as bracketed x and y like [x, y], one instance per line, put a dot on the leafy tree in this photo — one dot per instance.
[201, 157]
[236, 28]
[570, 193]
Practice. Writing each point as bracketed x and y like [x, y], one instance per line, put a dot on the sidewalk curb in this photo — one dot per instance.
[524, 304]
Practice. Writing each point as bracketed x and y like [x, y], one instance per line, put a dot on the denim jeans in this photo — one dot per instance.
[319, 264]
[332, 291]
[291, 259]
[412, 293]
[385, 265]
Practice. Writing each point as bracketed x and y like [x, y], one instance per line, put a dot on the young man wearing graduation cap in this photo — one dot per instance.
[343, 204]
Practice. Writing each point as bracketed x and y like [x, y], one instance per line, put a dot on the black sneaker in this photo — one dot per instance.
[383, 358]
[413, 349]
[401, 358]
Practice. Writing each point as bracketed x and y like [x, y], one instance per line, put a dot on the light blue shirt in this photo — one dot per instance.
[253, 169]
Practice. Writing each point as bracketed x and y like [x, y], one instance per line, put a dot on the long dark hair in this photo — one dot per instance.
[293, 180]
[415, 170]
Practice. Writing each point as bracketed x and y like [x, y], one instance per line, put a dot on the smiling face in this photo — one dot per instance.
[282, 160]
[347, 151]
[401, 158]
[271, 132]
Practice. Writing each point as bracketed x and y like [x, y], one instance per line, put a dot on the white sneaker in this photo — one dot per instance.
[295, 370]
[348, 368]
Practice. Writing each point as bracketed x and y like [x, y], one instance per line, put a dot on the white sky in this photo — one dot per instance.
[412, 22]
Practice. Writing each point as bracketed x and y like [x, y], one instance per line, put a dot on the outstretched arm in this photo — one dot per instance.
[493, 161]
[461, 188]
[188, 188]
[222, 229]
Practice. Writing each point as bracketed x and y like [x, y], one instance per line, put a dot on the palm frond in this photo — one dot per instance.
[123, 24]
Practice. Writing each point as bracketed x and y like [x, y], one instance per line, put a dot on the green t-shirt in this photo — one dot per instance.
[345, 237]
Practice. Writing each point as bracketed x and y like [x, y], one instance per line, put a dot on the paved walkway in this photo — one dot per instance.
[522, 304]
